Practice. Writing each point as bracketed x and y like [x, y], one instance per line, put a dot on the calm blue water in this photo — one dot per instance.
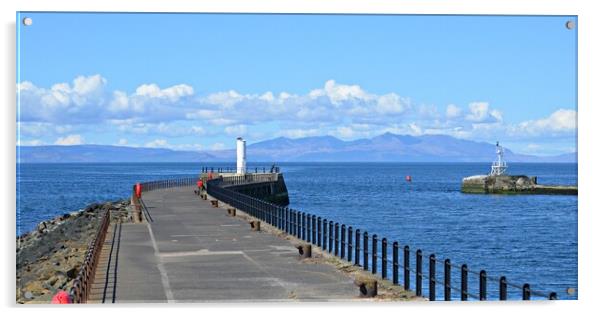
[526, 238]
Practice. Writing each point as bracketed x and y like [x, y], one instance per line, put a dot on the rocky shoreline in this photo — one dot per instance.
[49, 257]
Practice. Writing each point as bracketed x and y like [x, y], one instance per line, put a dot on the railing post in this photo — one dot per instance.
[349, 243]
[291, 221]
[298, 224]
[287, 220]
[336, 239]
[281, 218]
[313, 229]
[324, 226]
[395, 263]
[503, 289]
[374, 254]
[304, 224]
[432, 277]
[406, 268]
[343, 246]
[418, 272]
[308, 228]
[526, 292]
[319, 237]
[447, 279]
[384, 265]
[464, 283]
[483, 285]
[366, 251]
[330, 237]
[357, 247]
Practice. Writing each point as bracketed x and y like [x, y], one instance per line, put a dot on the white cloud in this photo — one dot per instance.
[562, 121]
[122, 142]
[428, 112]
[198, 130]
[83, 85]
[187, 147]
[392, 104]
[345, 132]
[343, 110]
[157, 143]
[32, 142]
[173, 93]
[453, 111]
[299, 133]
[222, 121]
[352, 131]
[37, 129]
[236, 130]
[171, 129]
[332, 103]
[120, 102]
[338, 93]
[218, 146]
[203, 114]
[73, 139]
[480, 113]
[83, 100]
[226, 99]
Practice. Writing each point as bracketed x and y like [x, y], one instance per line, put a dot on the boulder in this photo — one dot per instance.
[42, 227]
[72, 273]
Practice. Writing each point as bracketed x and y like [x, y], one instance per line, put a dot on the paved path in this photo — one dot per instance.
[192, 252]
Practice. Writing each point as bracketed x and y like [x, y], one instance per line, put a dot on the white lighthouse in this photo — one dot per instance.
[499, 166]
[241, 155]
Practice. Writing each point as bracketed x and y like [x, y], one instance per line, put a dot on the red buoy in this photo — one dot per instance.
[409, 178]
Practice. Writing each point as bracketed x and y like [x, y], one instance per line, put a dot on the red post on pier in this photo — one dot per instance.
[61, 297]
[138, 190]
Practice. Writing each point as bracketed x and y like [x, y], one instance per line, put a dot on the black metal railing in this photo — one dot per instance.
[249, 178]
[233, 169]
[165, 184]
[80, 291]
[343, 241]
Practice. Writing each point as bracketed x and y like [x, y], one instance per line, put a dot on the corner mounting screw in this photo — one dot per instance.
[570, 25]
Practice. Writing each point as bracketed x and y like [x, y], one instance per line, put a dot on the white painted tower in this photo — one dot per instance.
[241, 156]
[499, 166]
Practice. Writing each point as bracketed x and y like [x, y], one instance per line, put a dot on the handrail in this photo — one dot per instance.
[306, 227]
[80, 291]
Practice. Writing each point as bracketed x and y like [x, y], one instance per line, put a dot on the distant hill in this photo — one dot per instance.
[105, 153]
[383, 148]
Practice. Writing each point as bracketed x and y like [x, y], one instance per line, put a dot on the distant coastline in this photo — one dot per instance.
[384, 148]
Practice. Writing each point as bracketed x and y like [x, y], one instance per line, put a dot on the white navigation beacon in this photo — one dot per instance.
[499, 166]
[241, 155]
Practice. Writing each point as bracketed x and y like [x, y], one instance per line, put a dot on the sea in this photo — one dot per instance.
[526, 238]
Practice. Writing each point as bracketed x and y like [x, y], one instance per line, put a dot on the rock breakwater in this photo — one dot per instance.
[50, 256]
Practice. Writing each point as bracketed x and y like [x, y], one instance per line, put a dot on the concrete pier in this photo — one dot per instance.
[190, 251]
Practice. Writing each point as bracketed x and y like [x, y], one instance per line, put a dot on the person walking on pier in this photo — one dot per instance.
[199, 185]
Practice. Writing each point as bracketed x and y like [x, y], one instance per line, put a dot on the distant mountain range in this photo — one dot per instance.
[383, 148]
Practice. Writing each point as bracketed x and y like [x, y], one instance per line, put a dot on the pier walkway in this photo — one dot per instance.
[189, 251]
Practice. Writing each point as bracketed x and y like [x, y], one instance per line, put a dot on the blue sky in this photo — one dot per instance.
[196, 81]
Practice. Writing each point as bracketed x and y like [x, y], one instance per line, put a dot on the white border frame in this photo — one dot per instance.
[589, 113]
